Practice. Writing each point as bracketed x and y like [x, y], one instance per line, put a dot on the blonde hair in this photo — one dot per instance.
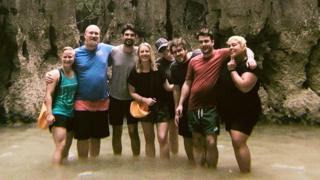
[153, 65]
[241, 40]
[68, 48]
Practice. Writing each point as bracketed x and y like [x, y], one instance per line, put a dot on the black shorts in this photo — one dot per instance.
[242, 121]
[118, 110]
[184, 128]
[157, 115]
[62, 121]
[89, 124]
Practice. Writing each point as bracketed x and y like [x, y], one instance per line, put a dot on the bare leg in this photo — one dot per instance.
[162, 134]
[59, 137]
[199, 148]
[241, 150]
[83, 148]
[66, 149]
[148, 131]
[212, 150]
[135, 139]
[94, 147]
[173, 137]
[188, 147]
[116, 139]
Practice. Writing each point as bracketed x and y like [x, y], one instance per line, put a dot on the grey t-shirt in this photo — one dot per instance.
[122, 64]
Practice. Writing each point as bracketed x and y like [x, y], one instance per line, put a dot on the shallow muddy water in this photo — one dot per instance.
[278, 152]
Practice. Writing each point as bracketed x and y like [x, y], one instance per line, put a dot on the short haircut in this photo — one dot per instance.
[128, 26]
[205, 32]
[177, 42]
[67, 48]
[242, 41]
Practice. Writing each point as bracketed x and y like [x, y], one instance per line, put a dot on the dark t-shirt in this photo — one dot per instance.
[230, 97]
[167, 97]
[178, 70]
[148, 84]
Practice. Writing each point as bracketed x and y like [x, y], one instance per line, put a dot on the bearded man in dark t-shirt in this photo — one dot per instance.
[178, 70]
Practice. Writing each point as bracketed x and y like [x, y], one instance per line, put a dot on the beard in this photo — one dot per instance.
[206, 49]
[129, 42]
[92, 43]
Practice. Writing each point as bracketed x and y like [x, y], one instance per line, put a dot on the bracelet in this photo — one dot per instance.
[232, 70]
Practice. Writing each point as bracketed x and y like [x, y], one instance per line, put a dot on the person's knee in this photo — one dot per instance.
[163, 139]
[237, 142]
[211, 142]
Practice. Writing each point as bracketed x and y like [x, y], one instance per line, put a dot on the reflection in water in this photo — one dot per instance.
[278, 152]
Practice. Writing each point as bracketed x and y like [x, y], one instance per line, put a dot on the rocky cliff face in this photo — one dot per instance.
[283, 34]
[31, 34]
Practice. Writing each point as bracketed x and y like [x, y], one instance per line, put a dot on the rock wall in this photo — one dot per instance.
[283, 34]
[31, 34]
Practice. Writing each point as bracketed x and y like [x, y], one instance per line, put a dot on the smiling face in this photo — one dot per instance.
[179, 53]
[236, 47]
[67, 58]
[206, 45]
[144, 53]
[92, 36]
[129, 38]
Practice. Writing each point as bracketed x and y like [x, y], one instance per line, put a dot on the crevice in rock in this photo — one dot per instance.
[194, 15]
[3, 10]
[314, 53]
[8, 52]
[111, 6]
[87, 13]
[41, 7]
[14, 11]
[25, 52]
[3, 118]
[134, 3]
[168, 21]
[53, 51]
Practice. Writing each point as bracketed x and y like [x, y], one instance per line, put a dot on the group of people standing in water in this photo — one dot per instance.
[188, 92]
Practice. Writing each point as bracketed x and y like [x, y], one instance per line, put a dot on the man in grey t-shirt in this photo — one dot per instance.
[122, 61]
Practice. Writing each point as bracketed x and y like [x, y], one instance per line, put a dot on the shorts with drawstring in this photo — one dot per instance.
[204, 121]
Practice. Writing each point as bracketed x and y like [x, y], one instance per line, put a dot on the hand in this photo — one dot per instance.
[232, 64]
[49, 78]
[150, 101]
[179, 111]
[251, 64]
[50, 119]
[176, 120]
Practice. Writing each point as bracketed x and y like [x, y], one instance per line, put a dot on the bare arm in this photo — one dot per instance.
[139, 98]
[49, 95]
[185, 90]
[167, 86]
[245, 82]
[176, 95]
[49, 77]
